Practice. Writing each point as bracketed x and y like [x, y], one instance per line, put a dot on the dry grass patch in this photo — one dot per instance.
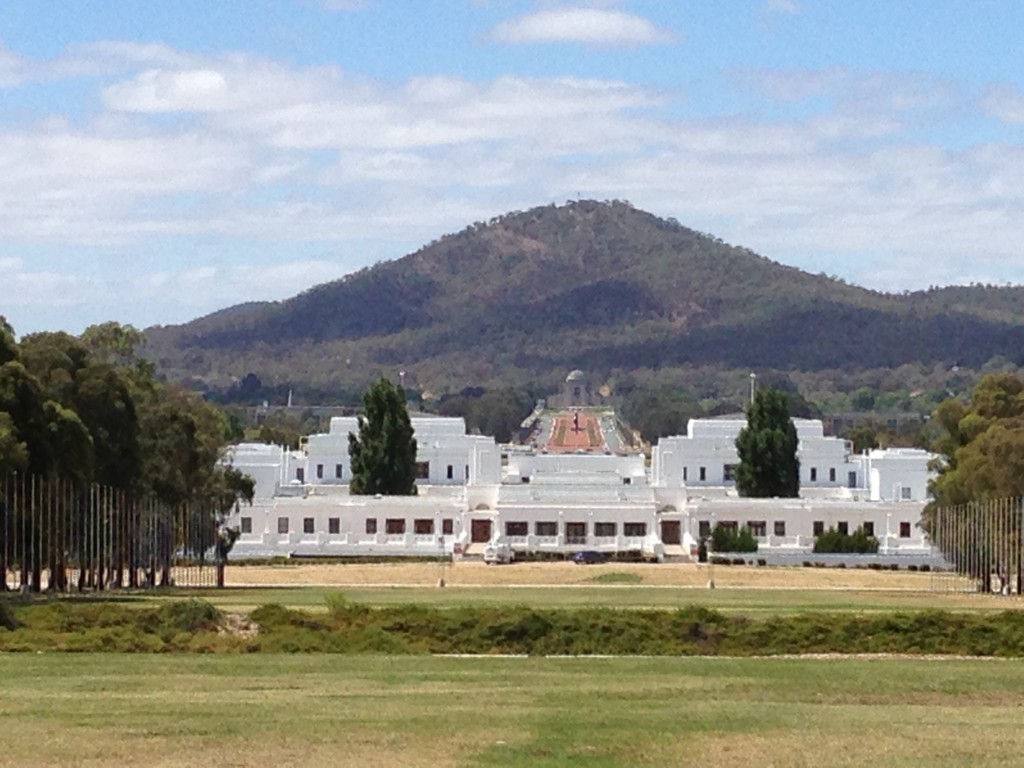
[474, 573]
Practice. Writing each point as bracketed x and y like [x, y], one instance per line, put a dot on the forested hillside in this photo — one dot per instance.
[605, 287]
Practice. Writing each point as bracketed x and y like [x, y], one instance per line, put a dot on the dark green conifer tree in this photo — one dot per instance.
[767, 449]
[383, 454]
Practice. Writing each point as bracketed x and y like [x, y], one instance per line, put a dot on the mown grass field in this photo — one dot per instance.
[315, 710]
[746, 601]
[312, 709]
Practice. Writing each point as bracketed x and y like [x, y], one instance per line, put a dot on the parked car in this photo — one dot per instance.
[499, 554]
[589, 557]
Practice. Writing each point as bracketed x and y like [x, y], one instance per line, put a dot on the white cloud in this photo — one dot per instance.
[333, 172]
[862, 92]
[157, 297]
[13, 68]
[592, 26]
[1005, 103]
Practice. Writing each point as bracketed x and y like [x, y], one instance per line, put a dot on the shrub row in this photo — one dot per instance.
[195, 626]
[834, 541]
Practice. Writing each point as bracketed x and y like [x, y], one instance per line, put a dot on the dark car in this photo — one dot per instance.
[589, 557]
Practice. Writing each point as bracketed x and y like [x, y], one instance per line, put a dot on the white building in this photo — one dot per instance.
[471, 493]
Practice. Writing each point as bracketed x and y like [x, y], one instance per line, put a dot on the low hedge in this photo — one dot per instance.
[195, 626]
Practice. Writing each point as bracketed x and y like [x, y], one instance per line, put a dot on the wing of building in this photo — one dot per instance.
[473, 493]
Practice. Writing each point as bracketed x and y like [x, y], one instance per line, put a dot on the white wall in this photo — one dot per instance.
[452, 456]
[571, 468]
[825, 462]
[898, 474]
[889, 520]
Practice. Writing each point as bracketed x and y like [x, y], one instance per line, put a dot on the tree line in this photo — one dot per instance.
[91, 409]
[82, 412]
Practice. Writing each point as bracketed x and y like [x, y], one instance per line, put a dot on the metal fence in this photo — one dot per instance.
[58, 535]
[981, 542]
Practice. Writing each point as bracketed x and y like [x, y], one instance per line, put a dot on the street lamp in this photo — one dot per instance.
[753, 380]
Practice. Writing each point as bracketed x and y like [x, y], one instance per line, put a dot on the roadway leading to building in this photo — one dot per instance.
[576, 431]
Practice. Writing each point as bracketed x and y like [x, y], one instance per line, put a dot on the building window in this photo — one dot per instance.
[729, 525]
[604, 529]
[308, 525]
[575, 533]
[704, 529]
[729, 473]
[627, 481]
[819, 527]
[319, 471]
[334, 525]
[525, 479]
[394, 526]
[371, 525]
[780, 528]
[546, 528]
[423, 526]
[757, 528]
[831, 474]
[851, 479]
[246, 525]
[844, 528]
[451, 472]
[282, 525]
[685, 473]
[422, 470]
[814, 474]
[634, 529]
[447, 526]
[517, 528]
[904, 530]
[339, 471]
[869, 529]
[465, 477]
[703, 474]
[300, 474]
[905, 493]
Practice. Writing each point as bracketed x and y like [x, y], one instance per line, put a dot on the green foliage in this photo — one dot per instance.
[8, 620]
[192, 626]
[383, 454]
[188, 616]
[13, 452]
[730, 539]
[862, 438]
[982, 443]
[767, 449]
[497, 413]
[88, 410]
[858, 542]
[659, 412]
[982, 447]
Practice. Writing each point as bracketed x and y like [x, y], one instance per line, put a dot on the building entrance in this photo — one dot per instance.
[480, 531]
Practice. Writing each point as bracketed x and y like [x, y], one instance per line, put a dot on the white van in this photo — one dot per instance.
[498, 553]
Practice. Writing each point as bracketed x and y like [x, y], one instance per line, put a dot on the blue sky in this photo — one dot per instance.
[161, 160]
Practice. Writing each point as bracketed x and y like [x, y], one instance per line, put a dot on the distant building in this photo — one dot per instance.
[472, 492]
[578, 391]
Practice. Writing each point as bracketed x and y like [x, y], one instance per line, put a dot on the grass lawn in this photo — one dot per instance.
[313, 710]
[747, 601]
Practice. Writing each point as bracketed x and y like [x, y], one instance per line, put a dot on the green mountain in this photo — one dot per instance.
[594, 285]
